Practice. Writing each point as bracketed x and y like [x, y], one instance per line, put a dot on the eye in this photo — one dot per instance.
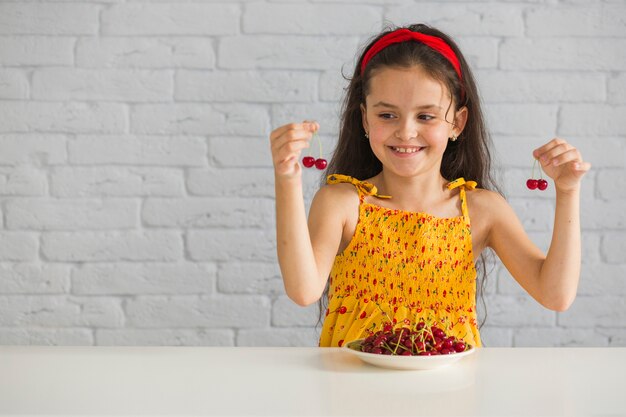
[426, 117]
[385, 116]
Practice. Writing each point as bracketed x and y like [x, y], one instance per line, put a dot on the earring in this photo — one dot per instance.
[454, 138]
[367, 135]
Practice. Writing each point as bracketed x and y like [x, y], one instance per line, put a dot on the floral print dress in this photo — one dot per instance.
[402, 267]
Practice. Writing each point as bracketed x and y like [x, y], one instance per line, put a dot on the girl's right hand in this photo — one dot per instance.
[287, 143]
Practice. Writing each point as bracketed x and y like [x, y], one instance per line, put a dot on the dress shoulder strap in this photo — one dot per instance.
[363, 187]
[469, 185]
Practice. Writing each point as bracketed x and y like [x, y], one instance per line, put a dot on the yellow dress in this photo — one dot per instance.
[399, 268]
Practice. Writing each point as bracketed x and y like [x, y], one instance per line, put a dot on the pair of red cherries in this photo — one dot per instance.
[319, 163]
[536, 184]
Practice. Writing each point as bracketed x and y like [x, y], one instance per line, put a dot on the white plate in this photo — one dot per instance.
[406, 362]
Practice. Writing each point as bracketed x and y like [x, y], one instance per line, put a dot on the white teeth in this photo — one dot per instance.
[405, 150]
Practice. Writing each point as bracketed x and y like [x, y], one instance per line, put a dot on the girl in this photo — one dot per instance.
[389, 239]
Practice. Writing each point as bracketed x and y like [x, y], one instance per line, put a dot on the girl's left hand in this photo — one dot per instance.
[563, 163]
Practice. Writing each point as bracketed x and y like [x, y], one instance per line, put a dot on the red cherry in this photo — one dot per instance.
[542, 184]
[532, 184]
[320, 163]
[308, 161]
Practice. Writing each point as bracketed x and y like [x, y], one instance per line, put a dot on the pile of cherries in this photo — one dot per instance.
[423, 341]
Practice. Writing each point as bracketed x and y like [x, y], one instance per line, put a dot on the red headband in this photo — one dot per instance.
[401, 35]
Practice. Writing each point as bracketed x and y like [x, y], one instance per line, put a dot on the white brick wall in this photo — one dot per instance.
[136, 182]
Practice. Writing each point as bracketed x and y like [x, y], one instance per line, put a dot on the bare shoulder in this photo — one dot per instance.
[341, 195]
[486, 201]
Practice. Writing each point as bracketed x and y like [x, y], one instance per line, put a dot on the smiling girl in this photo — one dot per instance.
[389, 241]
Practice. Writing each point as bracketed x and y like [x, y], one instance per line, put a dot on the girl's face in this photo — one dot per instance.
[405, 117]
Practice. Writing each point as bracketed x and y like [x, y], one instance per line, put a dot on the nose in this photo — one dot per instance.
[407, 130]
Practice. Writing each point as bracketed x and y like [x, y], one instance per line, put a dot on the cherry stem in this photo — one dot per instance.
[532, 175]
[318, 141]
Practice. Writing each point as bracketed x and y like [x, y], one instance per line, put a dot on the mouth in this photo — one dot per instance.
[406, 149]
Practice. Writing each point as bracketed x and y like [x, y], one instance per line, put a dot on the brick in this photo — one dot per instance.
[86, 246]
[250, 278]
[231, 245]
[198, 119]
[591, 242]
[535, 215]
[596, 278]
[46, 337]
[246, 86]
[135, 279]
[616, 89]
[287, 337]
[43, 19]
[613, 248]
[102, 85]
[559, 337]
[71, 214]
[479, 52]
[309, 19]
[231, 182]
[538, 87]
[611, 184]
[40, 150]
[148, 52]
[286, 52]
[586, 20]
[601, 214]
[326, 114]
[198, 213]
[34, 278]
[598, 311]
[518, 311]
[188, 311]
[616, 336]
[474, 19]
[522, 119]
[164, 337]
[117, 181]
[13, 84]
[75, 117]
[286, 313]
[582, 54]
[23, 180]
[36, 50]
[18, 246]
[592, 119]
[60, 311]
[137, 150]
[170, 19]
[229, 152]
[332, 85]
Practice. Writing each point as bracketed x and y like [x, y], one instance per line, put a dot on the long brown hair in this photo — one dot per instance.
[467, 157]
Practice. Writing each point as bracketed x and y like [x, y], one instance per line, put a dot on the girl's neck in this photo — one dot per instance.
[426, 189]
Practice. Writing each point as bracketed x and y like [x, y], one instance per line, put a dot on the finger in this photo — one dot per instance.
[294, 135]
[545, 148]
[306, 125]
[290, 150]
[582, 166]
[547, 157]
[565, 157]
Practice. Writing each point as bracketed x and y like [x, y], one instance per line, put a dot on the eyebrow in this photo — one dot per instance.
[426, 106]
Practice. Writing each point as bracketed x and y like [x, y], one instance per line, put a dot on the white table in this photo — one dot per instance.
[231, 381]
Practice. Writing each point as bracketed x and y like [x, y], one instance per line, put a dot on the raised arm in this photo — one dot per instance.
[551, 279]
[305, 257]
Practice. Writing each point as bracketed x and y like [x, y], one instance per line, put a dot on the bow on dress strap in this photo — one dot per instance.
[363, 187]
[470, 185]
